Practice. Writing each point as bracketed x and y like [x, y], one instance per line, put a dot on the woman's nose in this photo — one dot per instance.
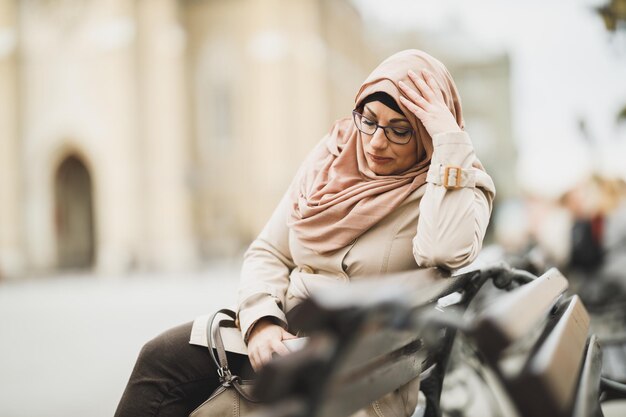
[379, 140]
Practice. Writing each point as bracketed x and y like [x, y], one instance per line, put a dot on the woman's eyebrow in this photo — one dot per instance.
[370, 110]
[403, 119]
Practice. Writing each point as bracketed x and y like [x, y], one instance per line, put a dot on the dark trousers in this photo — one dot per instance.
[171, 377]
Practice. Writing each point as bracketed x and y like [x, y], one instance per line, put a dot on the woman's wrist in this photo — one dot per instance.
[448, 133]
[261, 324]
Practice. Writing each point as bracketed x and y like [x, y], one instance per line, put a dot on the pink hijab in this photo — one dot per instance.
[337, 197]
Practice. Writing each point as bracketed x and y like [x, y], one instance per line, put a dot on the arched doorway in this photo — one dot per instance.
[74, 219]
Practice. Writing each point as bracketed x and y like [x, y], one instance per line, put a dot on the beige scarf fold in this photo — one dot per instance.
[338, 197]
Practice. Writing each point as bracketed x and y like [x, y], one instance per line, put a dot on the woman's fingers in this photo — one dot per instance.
[417, 104]
[413, 95]
[432, 83]
[261, 350]
[287, 335]
[265, 355]
[259, 356]
[254, 361]
[280, 348]
[413, 108]
[424, 89]
[428, 103]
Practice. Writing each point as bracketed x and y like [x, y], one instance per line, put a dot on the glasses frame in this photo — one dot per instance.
[356, 114]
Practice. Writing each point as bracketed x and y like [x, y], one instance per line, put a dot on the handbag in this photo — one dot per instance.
[233, 396]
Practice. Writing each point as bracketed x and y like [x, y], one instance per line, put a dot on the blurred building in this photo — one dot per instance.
[155, 133]
[266, 80]
[485, 86]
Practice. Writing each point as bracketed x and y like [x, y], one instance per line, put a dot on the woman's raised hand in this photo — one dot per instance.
[428, 104]
[266, 338]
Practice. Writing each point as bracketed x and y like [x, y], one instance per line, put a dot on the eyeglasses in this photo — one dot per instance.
[396, 134]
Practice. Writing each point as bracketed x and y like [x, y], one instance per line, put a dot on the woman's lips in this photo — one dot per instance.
[379, 159]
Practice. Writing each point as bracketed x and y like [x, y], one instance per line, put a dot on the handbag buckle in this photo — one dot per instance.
[226, 377]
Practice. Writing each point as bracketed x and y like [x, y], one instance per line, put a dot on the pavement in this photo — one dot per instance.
[68, 342]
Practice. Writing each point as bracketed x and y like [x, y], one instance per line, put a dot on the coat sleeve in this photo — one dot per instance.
[265, 272]
[268, 263]
[452, 222]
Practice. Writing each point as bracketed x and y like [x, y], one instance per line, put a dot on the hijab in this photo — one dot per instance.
[336, 196]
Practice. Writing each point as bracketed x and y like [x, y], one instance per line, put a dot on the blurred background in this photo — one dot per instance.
[143, 145]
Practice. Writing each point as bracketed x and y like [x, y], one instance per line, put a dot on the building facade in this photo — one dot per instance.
[158, 134]
[140, 134]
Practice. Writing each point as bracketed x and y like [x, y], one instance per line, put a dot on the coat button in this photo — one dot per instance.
[307, 269]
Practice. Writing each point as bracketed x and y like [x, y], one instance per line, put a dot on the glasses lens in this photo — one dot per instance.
[400, 135]
[396, 134]
[364, 124]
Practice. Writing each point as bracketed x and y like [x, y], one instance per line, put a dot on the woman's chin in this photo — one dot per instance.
[381, 169]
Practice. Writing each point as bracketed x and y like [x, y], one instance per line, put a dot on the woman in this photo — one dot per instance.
[395, 187]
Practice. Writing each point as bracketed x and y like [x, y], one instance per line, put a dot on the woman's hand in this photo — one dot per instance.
[266, 339]
[428, 104]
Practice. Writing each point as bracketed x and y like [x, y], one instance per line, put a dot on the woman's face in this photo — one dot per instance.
[383, 156]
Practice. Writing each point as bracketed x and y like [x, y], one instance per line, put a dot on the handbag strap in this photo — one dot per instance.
[221, 361]
[214, 337]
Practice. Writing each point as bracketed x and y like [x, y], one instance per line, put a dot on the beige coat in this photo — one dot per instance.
[434, 226]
